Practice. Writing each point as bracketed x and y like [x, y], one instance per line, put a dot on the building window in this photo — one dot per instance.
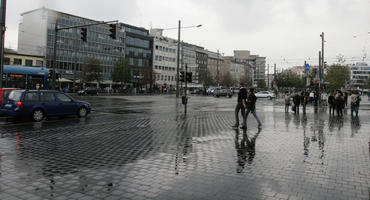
[29, 62]
[6, 61]
[17, 61]
[39, 63]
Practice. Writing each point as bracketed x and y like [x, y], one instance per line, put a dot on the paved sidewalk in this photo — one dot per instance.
[165, 155]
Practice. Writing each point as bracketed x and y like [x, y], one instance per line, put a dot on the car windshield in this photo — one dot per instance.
[15, 96]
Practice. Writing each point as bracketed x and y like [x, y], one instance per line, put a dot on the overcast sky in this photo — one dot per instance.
[286, 32]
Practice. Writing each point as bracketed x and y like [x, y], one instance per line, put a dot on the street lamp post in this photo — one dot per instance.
[178, 54]
[178, 61]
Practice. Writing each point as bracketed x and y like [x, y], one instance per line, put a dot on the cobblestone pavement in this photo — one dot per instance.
[142, 148]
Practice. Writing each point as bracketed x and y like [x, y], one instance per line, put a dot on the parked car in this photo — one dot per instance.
[4, 92]
[88, 90]
[223, 92]
[42, 103]
[265, 94]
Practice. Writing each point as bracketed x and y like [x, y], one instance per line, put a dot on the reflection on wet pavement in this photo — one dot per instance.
[136, 148]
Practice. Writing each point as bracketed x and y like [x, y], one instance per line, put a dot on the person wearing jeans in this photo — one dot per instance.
[251, 106]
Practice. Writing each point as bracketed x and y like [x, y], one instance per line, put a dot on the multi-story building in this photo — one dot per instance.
[238, 71]
[215, 66]
[36, 37]
[14, 58]
[139, 52]
[359, 73]
[202, 63]
[189, 58]
[164, 60]
[255, 62]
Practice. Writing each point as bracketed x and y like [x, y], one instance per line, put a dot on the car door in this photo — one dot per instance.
[31, 100]
[49, 103]
[66, 105]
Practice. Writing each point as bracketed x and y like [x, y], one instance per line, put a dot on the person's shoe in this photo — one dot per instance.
[243, 127]
[235, 126]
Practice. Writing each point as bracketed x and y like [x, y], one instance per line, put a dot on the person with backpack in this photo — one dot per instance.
[251, 106]
[355, 103]
[240, 106]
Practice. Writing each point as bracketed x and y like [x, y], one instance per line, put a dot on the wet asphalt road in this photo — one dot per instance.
[144, 147]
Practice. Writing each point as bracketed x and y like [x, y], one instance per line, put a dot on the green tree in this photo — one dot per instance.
[92, 70]
[121, 71]
[289, 80]
[261, 83]
[208, 79]
[337, 76]
[227, 80]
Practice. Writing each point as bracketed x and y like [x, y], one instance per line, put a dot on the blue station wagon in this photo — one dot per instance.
[42, 103]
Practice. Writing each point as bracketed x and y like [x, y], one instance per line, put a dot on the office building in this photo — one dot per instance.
[36, 37]
[164, 61]
[359, 73]
[139, 52]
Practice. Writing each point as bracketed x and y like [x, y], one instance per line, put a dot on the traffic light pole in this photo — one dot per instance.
[186, 86]
[2, 34]
[55, 42]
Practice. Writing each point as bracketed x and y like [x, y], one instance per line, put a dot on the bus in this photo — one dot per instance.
[16, 76]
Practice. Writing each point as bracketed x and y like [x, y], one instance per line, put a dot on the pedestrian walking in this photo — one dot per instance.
[287, 102]
[339, 103]
[345, 99]
[240, 106]
[251, 106]
[297, 101]
[355, 103]
[331, 102]
[303, 101]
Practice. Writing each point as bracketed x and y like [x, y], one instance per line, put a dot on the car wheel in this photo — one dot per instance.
[37, 115]
[269, 98]
[82, 112]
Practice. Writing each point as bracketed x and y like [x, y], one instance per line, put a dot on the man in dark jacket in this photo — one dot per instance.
[251, 106]
[331, 102]
[297, 101]
[241, 105]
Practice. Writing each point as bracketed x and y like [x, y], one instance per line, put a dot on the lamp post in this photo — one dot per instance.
[178, 54]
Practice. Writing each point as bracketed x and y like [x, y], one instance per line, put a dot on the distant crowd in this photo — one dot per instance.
[336, 100]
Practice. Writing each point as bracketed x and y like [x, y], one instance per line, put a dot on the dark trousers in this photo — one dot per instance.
[304, 108]
[238, 107]
[296, 108]
[339, 111]
[331, 110]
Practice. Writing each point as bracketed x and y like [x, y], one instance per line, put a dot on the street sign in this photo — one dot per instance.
[307, 68]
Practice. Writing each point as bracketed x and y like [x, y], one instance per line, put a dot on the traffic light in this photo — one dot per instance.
[113, 31]
[182, 76]
[189, 77]
[84, 34]
[50, 75]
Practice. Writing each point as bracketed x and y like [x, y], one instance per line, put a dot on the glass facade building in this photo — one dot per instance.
[37, 33]
[139, 51]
